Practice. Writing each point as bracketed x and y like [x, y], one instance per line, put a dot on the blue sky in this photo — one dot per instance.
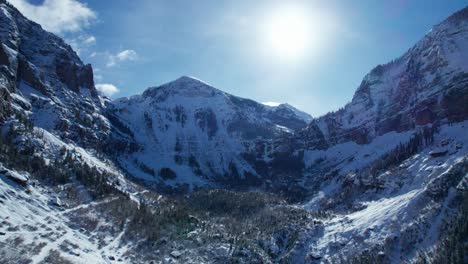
[141, 43]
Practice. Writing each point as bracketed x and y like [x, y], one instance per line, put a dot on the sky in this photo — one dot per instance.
[243, 47]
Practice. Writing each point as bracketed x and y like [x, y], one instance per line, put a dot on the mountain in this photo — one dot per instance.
[42, 76]
[427, 85]
[196, 133]
[422, 90]
[53, 132]
[394, 157]
[289, 110]
[187, 173]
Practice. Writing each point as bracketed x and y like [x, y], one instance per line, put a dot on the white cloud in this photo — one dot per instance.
[81, 42]
[90, 40]
[107, 89]
[126, 55]
[57, 16]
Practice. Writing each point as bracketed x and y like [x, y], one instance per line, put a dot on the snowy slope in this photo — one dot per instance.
[33, 227]
[407, 213]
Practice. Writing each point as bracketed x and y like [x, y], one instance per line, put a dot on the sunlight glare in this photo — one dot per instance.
[288, 33]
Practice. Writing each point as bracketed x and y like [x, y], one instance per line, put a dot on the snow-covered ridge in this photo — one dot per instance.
[413, 90]
[293, 110]
[186, 86]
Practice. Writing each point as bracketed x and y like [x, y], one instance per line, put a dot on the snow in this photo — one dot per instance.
[21, 210]
[351, 156]
[283, 128]
[272, 104]
[12, 54]
[395, 211]
[395, 89]
[275, 107]
[168, 116]
[39, 217]
[14, 175]
[22, 100]
[379, 220]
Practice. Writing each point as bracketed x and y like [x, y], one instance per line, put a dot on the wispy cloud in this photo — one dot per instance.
[81, 42]
[90, 40]
[126, 55]
[107, 89]
[58, 16]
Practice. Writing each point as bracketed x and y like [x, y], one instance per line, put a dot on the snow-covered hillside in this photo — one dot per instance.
[397, 212]
[34, 224]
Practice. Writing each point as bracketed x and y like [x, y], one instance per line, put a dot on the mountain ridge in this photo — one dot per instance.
[418, 72]
[191, 84]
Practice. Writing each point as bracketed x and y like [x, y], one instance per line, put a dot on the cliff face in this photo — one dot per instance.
[41, 58]
[427, 85]
[48, 79]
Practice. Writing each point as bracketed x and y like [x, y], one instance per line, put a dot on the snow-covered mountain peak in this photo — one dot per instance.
[188, 83]
[296, 112]
[184, 86]
[286, 109]
[458, 17]
[189, 80]
[191, 126]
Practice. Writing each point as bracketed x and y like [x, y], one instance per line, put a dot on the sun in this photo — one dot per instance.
[287, 33]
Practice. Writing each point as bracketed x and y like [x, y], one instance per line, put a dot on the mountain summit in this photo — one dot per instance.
[187, 86]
